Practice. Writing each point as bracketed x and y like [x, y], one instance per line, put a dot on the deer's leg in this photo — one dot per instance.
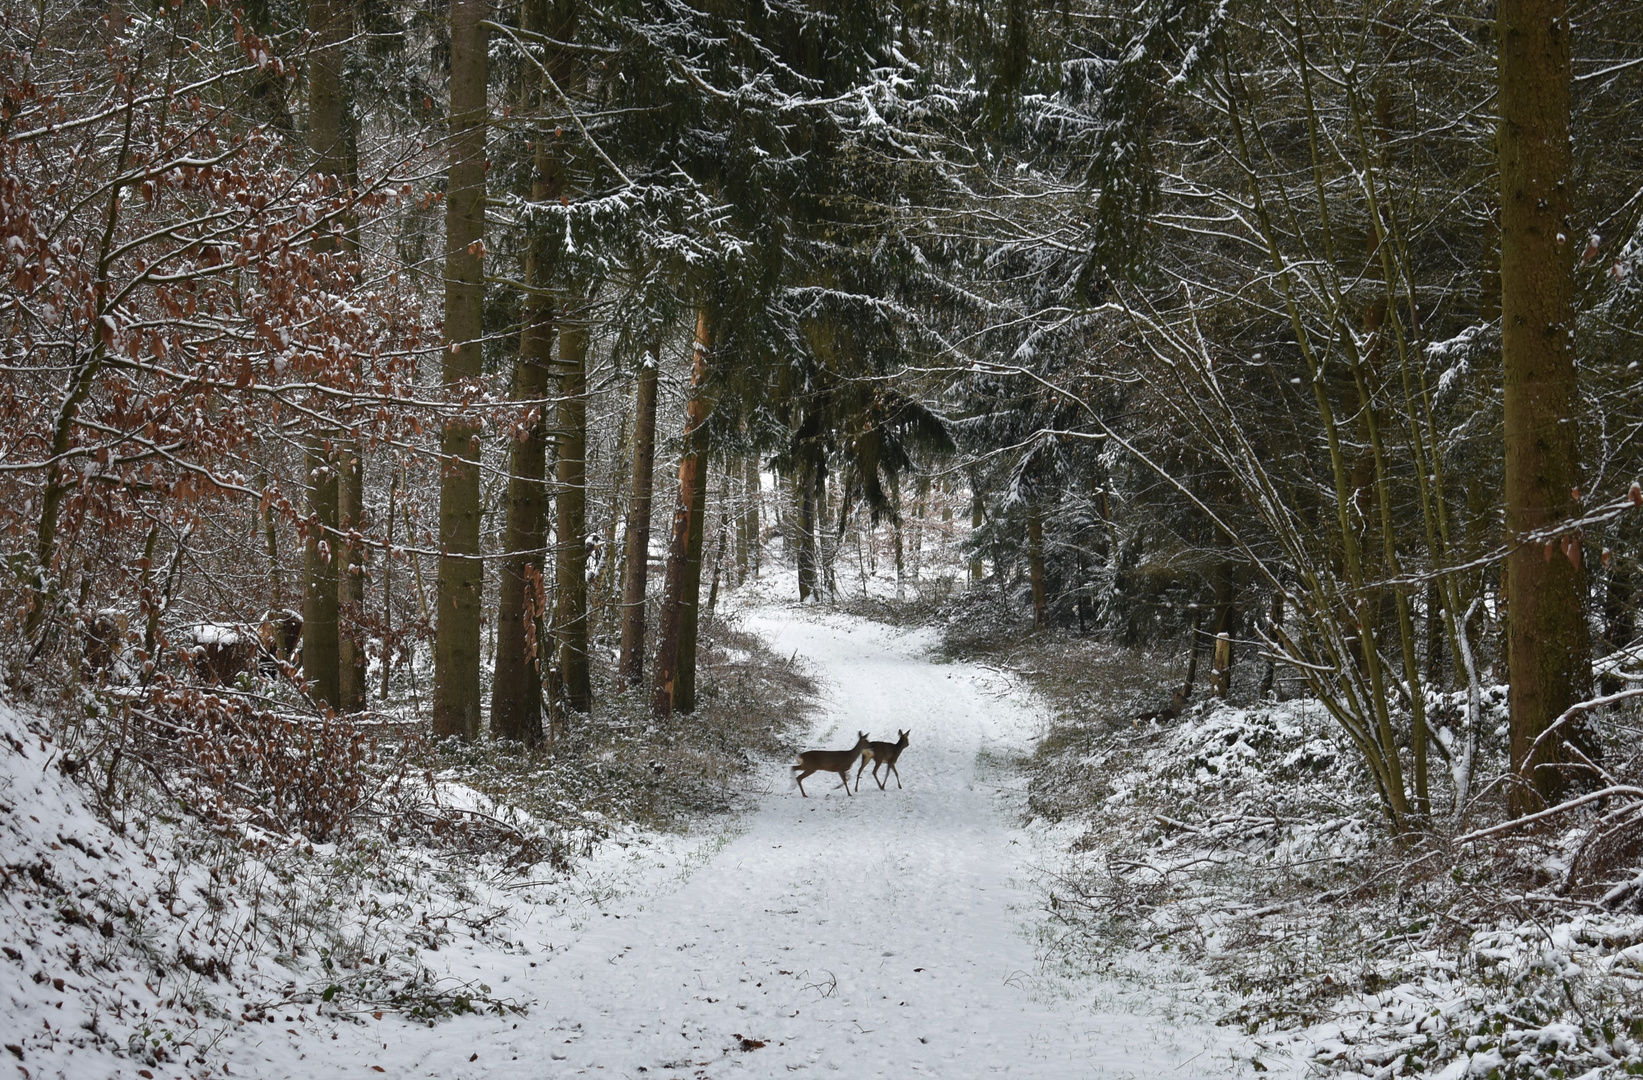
[800, 781]
[863, 766]
[844, 776]
[897, 771]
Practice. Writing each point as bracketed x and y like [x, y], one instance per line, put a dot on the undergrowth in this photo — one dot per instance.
[1244, 843]
[249, 858]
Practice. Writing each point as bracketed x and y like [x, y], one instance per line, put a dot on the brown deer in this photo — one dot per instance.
[1178, 701]
[838, 761]
[883, 753]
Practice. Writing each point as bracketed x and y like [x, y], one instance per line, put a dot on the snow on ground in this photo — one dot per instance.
[885, 934]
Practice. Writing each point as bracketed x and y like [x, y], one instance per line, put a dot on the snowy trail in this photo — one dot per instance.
[880, 934]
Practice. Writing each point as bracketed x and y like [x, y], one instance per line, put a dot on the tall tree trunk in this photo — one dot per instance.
[632, 662]
[1547, 636]
[270, 539]
[804, 488]
[1035, 565]
[570, 616]
[326, 549]
[827, 541]
[978, 517]
[319, 601]
[727, 517]
[516, 689]
[744, 540]
[750, 513]
[690, 477]
[388, 587]
[456, 705]
[350, 578]
[690, 607]
[521, 647]
[1269, 674]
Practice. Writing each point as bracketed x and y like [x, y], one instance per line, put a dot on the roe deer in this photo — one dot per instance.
[883, 753]
[838, 761]
[1178, 701]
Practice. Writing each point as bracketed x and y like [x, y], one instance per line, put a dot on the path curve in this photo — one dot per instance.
[882, 934]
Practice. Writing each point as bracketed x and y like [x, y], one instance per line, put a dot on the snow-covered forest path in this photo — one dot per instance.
[882, 934]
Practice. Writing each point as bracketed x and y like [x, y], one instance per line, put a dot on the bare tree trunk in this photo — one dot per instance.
[744, 539]
[690, 477]
[804, 489]
[388, 588]
[1035, 564]
[632, 663]
[270, 539]
[827, 544]
[684, 684]
[755, 497]
[319, 603]
[326, 549]
[1269, 675]
[571, 584]
[456, 707]
[726, 517]
[350, 578]
[978, 517]
[516, 688]
[1550, 668]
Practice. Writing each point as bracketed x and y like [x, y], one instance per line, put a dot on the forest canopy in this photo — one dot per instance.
[359, 345]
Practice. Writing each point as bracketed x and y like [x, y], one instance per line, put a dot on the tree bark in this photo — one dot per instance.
[570, 617]
[319, 601]
[522, 646]
[1547, 635]
[456, 705]
[690, 607]
[805, 489]
[978, 517]
[632, 661]
[270, 539]
[665, 671]
[350, 578]
[744, 538]
[325, 550]
[755, 496]
[516, 689]
[1035, 565]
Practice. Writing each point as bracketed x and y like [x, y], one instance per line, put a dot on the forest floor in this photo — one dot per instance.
[887, 934]
[1056, 890]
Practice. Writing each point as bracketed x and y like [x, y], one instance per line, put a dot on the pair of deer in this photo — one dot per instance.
[839, 761]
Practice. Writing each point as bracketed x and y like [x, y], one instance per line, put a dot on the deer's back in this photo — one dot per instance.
[828, 760]
[886, 752]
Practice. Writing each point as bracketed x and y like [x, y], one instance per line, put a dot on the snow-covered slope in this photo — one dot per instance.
[89, 941]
